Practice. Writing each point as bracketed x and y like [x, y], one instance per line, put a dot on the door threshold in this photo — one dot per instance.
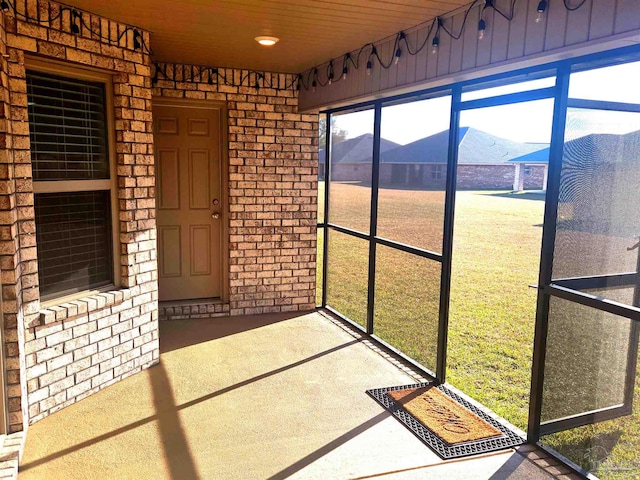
[189, 302]
[193, 308]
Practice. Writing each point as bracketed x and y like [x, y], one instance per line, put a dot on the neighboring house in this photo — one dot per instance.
[531, 170]
[484, 161]
[352, 158]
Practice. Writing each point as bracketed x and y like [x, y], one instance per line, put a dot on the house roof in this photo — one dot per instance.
[595, 145]
[357, 150]
[432, 149]
[475, 147]
[539, 156]
[478, 147]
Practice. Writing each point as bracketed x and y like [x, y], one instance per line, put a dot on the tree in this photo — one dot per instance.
[337, 134]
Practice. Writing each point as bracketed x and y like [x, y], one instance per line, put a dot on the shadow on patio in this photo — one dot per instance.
[268, 396]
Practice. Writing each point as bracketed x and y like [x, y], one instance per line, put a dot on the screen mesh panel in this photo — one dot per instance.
[67, 124]
[73, 234]
[598, 222]
[586, 359]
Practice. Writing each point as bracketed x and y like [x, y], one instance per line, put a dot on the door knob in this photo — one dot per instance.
[215, 215]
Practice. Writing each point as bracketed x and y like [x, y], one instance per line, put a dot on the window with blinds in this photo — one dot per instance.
[73, 236]
[72, 185]
[67, 126]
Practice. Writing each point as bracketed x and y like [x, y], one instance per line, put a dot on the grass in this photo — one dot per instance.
[492, 312]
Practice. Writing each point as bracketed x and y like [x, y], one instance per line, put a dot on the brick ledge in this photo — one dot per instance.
[10, 454]
[81, 306]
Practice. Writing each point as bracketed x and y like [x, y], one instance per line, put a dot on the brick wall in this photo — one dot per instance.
[535, 179]
[57, 356]
[273, 159]
[486, 176]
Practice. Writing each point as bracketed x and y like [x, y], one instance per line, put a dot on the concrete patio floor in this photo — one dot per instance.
[270, 396]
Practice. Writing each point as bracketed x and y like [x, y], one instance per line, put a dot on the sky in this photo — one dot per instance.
[523, 122]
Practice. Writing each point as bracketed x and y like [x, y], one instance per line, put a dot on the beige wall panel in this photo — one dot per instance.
[627, 15]
[422, 58]
[387, 52]
[601, 22]
[455, 57]
[518, 30]
[578, 25]
[470, 41]
[499, 38]
[441, 63]
[597, 26]
[410, 60]
[556, 25]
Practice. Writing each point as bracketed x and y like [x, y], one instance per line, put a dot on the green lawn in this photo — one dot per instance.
[492, 312]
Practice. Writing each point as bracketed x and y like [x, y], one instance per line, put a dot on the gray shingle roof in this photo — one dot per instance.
[475, 147]
[594, 146]
[357, 150]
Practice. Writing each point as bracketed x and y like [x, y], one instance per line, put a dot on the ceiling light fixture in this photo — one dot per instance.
[267, 41]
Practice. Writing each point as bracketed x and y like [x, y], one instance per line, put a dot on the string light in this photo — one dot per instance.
[345, 66]
[77, 24]
[75, 27]
[482, 26]
[542, 7]
[217, 76]
[435, 43]
[137, 37]
[374, 53]
[434, 37]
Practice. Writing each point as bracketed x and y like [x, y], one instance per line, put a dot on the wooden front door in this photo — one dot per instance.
[188, 152]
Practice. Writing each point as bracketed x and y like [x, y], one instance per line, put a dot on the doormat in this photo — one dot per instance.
[443, 416]
[450, 425]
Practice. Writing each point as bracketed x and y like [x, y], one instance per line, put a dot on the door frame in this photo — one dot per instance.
[223, 173]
